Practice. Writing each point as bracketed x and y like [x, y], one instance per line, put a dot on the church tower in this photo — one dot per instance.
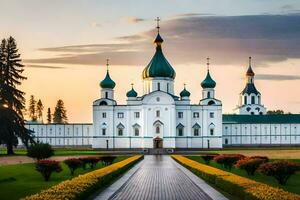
[158, 74]
[250, 97]
[107, 85]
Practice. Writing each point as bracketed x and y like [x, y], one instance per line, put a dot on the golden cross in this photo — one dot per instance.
[157, 23]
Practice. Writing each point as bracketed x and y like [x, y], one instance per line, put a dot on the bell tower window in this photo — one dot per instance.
[253, 100]
[245, 100]
[106, 95]
[158, 86]
[208, 94]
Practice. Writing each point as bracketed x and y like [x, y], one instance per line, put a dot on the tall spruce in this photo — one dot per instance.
[60, 113]
[12, 101]
[49, 117]
[32, 110]
[39, 110]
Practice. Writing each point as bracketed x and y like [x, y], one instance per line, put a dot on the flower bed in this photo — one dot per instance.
[84, 185]
[235, 185]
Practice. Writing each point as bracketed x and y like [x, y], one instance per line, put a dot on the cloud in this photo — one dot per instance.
[44, 66]
[228, 40]
[277, 77]
[132, 20]
[96, 24]
[192, 15]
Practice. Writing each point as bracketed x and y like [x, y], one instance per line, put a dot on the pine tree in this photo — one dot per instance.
[49, 117]
[32, 109]
[60, 113]
[12, 101]
[39, 110]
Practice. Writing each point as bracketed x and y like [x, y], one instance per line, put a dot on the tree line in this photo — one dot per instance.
[36, 108]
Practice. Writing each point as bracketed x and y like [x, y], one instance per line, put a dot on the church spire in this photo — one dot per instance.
[250, 71]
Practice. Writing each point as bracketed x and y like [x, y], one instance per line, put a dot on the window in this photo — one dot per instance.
[212, 115]
[120, 132]
[106, 95]
[245, 99]
[211, 131]
[180, 131]
[103, 103]
[158, 86]
[196, 115]
[253, 100]
[157, 113]
[167, 87]
[180, 114]
[120, 115]
[137, 114]
[104, 115]
[258, 99]
[103, 131]
[196, 131]
[136, 132]
[157, 129]
[252, 113]
[208, 94]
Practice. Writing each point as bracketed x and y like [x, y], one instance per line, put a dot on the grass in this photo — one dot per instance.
[293, 184]
[17, 181]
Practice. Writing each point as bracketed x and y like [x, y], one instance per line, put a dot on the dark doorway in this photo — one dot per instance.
[157, 143]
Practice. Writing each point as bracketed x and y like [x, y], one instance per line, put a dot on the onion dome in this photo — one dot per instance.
[132, 92]
[107, 82]
[250, 71]
[159, 65]
[208, 82]
[185, 93]
[250, 89]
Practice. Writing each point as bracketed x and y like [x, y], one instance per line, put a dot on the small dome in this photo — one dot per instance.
[107, 82]
[250, 71]
[185, 93]
[131, 93]
[208, 82]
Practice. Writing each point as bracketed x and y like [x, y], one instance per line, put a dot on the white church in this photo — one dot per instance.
[159, 118]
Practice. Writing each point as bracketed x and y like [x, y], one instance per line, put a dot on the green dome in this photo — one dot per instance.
[159, 66]
[208, 82]
[107, 82]
[131, 93]
[185, 93]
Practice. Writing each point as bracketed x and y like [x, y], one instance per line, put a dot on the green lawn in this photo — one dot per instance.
[20, 180]
[293, 184]
[57, 152]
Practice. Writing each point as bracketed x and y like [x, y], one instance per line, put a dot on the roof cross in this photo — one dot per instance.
[107, 63]
[157, 23]
[207, 62]
[250, 61]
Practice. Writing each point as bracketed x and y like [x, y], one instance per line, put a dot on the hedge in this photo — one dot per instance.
[86, 184]
[235, 185]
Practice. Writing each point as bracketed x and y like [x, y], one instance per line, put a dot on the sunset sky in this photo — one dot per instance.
[64, 45]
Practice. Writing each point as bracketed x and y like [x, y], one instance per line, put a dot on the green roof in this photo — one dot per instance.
[208, 82]
[250, 89]
[159, 65]
[262, 119]
[131, 93]
[185, 93]
[107, 82]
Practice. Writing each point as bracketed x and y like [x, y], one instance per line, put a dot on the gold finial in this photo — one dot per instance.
[107, 64]
[131, 85]
[184, 84]
[157, 23]
[250, 61]
[207, 63]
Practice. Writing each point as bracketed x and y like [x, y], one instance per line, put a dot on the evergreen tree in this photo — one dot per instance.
[60, 113]
[12, 101]
[49, 117]
[32, 109]
[39, 110]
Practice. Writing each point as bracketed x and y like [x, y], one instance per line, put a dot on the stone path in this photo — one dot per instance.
[160, 178]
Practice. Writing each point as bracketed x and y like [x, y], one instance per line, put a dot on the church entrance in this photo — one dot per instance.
[157, 143]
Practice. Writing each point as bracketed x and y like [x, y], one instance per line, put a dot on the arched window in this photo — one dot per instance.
[158, 86]
[103, 103]
[245, 100]
[106, 95]
[136, 132]
[252, 99]
[208, 94]
[167, 87]
[258, 98]
[157, 113]
[120, 132]
[104, 131]
[196, 131]
[157, 129]
[226, 141]
[211, 102]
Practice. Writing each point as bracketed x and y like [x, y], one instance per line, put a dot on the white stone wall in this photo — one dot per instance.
[261, 134]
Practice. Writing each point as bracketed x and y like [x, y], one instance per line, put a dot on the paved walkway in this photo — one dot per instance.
[160, 178]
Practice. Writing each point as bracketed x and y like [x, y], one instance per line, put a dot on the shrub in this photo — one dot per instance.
[82, 186]
[90, 161]
[228, 160]
[47, 167]
[265, 158]
[108, 160]
[207, 158]
[249, 164]
[280, 170]
[73, 164]
[241, 187]
[40, 151]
